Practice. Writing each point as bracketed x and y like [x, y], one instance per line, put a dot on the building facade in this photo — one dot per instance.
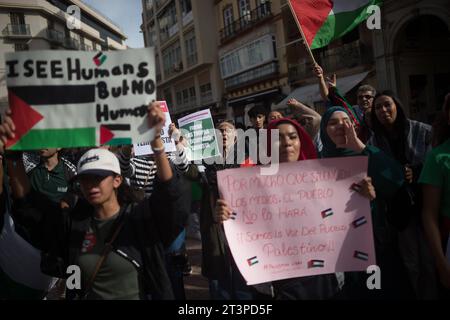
[42, 25]
[252, 54]
[188, 76]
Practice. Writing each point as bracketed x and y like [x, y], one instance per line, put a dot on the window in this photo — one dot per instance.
[263, 7]
[185, 96]
[17, 18]
[255, 53]
[172, 59]
[167, 22]
[191, 48]
[21, 47]
[244, 11]
[186, 6]
[192, 95]
[228, 20]
[206, 92]
[168, 97]
[179, 98]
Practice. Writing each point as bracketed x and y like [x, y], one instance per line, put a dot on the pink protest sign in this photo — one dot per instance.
[305, 220]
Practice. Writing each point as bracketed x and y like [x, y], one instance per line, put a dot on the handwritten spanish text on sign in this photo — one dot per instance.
[303, 221]
[80, 98]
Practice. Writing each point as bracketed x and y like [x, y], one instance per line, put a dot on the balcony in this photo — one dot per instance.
[249, 20]
[347, 56]
[17, 30]
[72, 43]
[188, 17]
[174, 69]
[206, 97]
[252, 76]
[85, 47]
[55, 36]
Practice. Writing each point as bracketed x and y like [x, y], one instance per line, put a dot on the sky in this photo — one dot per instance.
[126, 14]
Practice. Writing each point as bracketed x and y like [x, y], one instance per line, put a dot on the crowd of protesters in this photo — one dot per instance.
[122, 218]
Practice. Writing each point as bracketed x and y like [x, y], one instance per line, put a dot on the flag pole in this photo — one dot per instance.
[301, 32]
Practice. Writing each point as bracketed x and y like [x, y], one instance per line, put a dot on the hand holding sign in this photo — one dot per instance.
[156, 120]
[223, 211]
[7, 129]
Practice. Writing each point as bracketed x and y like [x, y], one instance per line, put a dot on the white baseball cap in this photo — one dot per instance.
[100, 162]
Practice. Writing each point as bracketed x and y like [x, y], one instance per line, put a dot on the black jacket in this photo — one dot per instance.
[148, 228]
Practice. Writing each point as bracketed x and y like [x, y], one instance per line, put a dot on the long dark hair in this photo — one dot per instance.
[441, 126]
[400, 121]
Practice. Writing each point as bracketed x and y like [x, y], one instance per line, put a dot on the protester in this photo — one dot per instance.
[20, 273]
[340, 140]
[309, 119]
[142, 172]
[435, 180]
[218, 266]
[131, 266]
[359, 114]
[257, 115]
[50, 178]
[295, 145]
[274, 115]
[408, 142]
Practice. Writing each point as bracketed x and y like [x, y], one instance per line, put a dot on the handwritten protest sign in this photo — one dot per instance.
[302, 221]
[198, 129]
[142, 149]
[79, 98]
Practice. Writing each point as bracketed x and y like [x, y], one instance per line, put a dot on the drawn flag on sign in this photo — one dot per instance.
[359, 222]
[25, 117]
[252, 261]
[316, 264]
[361, 255]
[327, 213]
[107, 134]
[99, 59]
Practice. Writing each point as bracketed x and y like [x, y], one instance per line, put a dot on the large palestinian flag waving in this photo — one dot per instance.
[323, 21]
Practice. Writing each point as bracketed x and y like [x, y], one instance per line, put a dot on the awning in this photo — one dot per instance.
[310, 93]
[252, 97]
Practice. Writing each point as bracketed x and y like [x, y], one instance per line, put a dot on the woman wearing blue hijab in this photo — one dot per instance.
[386, 175]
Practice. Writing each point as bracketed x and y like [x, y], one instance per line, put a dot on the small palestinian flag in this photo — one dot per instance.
[359, 222]
[99, 59]
[252, 261]
[316, 264]
[361, 255]
[327, 213]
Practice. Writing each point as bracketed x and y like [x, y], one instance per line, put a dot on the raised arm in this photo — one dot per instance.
[20, 185]
[156, 120]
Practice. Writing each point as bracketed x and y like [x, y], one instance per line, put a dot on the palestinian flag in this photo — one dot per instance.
[361, 255]
[327, 213]
[316, 264]
[359, 222]
[323, 21]
[253, 260]
[53, 101]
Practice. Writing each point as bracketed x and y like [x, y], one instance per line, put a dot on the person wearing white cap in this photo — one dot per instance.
[115, 243]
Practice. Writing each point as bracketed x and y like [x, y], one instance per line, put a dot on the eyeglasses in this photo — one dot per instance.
[365, 96]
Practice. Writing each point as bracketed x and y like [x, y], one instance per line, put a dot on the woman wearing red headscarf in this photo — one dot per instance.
[294, 145]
